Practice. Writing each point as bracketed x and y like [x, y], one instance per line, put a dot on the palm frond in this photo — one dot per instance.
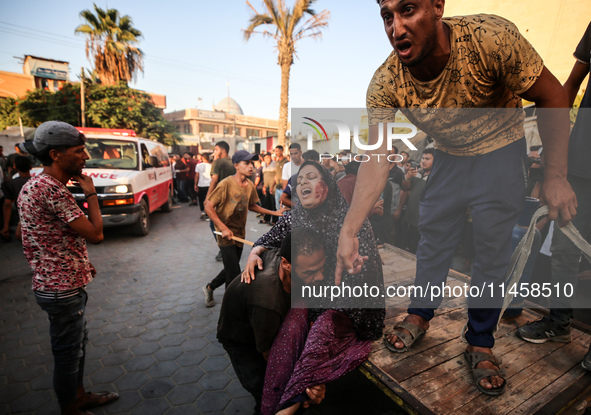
[110, 44]
[289, 28]
[312, 27]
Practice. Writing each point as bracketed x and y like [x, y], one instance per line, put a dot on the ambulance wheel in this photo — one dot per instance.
[142, 226]
[167, 207]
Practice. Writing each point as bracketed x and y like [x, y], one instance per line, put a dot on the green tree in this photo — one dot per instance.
[118, 106]
[108, 106]
[286, 26]
[8, 113]
[111, 45]
[40, 105]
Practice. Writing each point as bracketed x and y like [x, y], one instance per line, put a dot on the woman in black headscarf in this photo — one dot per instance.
[323, 208]
[317, 345]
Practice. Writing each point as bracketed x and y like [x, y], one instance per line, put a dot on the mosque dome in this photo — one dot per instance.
[229, 105]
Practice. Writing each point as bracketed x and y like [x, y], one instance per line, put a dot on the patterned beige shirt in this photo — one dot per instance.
[473, 106]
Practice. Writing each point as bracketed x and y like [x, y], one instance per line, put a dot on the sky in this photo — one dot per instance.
[194, 49]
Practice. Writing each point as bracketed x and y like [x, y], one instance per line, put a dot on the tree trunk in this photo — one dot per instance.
[283, 103]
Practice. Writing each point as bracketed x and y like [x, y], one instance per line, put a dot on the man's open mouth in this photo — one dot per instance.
[403, 47]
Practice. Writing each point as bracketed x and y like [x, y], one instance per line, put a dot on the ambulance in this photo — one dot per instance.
[132, 177]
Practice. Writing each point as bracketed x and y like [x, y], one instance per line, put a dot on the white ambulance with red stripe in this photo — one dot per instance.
[132, 177]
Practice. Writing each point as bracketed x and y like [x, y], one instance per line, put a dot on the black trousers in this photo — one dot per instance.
[202, 193]
[231, 259]
[250, 367]
[269, 203]
[190, 189]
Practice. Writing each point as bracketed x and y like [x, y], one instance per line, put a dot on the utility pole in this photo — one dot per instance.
[82, 98]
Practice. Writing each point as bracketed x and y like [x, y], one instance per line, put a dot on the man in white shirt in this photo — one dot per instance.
[293, 167]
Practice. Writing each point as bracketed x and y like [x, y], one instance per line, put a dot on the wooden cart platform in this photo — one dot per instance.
[433, 377]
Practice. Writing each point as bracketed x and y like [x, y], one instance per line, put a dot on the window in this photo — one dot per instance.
[208, 128]
[111, 154]
[187, 128]
[158, 150]
[252, 132]
[230, 130]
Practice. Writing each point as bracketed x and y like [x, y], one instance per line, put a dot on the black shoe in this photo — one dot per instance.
[544, 330]
[218, 257]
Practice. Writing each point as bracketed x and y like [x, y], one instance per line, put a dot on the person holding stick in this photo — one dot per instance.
[227, 206]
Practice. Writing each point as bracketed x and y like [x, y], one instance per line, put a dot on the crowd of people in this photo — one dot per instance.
[329, 216]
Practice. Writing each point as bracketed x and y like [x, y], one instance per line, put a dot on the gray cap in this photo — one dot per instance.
[53, 134]
[243, 155]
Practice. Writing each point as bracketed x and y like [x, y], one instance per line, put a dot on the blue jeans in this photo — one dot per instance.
[278, 193]
[565, 255]
[181, 189]
[493, 187]
[67, 328]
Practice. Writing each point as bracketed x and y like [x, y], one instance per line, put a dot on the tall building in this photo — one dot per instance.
[225, 122]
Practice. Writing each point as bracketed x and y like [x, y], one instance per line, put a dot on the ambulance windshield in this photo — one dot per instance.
[107, 153]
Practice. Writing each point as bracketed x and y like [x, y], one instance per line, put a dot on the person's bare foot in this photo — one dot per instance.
[411, 319]
[490, 382]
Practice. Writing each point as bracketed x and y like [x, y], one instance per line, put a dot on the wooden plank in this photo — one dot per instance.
[527, 384]
[461, 395]
[542, 378]
[400, 396]
[448, 372]
[456, 387]
[578, 386]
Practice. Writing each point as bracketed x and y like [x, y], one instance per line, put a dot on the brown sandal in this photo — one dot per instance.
[473, 358]
[407, 339]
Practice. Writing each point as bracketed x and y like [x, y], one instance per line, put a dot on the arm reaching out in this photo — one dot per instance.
[553, 123]
[370, 184]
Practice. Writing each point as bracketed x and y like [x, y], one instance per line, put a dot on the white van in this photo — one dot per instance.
[132, 177]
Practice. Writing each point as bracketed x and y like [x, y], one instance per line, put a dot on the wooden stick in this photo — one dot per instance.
[244, 241]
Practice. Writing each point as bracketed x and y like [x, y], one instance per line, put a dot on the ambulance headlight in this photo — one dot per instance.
[119, 189]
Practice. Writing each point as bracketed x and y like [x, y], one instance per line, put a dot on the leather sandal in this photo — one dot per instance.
[473, 358]
[407, 339]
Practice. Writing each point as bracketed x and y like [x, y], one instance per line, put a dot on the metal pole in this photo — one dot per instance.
[82, 98]
[20, 123]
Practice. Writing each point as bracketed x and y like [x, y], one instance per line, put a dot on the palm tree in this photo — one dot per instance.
[110, 43]
[288, 29]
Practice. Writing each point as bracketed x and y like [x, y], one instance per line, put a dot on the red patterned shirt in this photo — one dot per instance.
[56, 253]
